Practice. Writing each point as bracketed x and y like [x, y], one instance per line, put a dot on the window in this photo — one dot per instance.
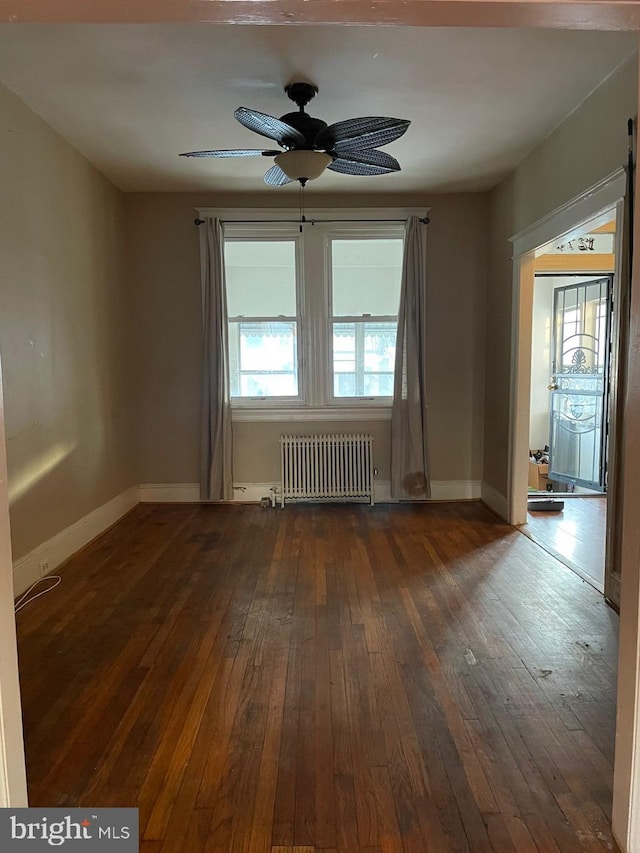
[263, 318]
[312, 316]
[365, 294]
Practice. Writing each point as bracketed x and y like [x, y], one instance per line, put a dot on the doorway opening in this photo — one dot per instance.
[565, 381]
[571, 345]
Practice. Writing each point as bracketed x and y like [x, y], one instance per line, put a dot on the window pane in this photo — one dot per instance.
[267, 385]
[261, 278]
[363, 359]
[263, 359]
[379, 347]
[344, 347]
[365, 276]
[344, 385]
[378, 385]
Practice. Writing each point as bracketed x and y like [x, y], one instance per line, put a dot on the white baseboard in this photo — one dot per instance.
[495, 501]
[252, 492]
[441, 490]
[50, 554]
[188, 493]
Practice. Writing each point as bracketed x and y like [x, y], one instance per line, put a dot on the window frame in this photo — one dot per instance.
[315, 402]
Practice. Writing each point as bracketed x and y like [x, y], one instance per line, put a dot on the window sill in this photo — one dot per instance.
[326, 413]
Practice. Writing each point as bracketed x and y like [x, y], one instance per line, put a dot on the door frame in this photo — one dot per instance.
[13, 778]
[604, 197]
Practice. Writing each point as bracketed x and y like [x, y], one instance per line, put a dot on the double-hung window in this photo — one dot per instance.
[312, 316]
[262, 307]
[364, 299]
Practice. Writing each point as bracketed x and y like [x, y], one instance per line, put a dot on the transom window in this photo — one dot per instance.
[312, 316]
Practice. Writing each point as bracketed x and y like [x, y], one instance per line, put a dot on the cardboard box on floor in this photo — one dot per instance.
[539, 479]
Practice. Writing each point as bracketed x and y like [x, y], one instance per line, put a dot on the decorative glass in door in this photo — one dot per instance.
[580, 383]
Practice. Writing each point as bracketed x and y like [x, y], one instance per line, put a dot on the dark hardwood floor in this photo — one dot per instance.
[334, 678]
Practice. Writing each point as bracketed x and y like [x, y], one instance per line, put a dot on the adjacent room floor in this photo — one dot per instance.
[577, 535]
[332, 678]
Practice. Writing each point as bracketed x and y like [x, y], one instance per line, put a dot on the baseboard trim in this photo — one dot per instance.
[495, 500]
[251, 493]
[53, 552]
[188, 493]
[441, 490]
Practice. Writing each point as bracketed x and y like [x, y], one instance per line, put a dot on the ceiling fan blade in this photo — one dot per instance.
[356, 134]
[275, 177]
[269, 126]
[365, 163]
[232, 152]
[370, 157]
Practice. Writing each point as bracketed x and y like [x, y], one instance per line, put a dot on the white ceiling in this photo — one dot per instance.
[131, 97]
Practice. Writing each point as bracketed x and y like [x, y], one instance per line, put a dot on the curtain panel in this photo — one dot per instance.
[409, 459]
[216, 475]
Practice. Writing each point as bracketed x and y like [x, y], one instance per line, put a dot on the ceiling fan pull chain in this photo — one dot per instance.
[302, 216]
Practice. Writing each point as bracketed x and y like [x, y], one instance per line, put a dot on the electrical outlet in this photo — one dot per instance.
[44, 568]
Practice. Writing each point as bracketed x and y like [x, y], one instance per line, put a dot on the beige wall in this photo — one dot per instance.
[62, 330]
[163, 263]
[589, 145]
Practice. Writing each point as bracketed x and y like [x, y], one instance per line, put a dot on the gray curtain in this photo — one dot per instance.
[216, 476]
[409, 463]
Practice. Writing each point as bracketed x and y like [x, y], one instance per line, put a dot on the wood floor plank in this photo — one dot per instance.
[340, 679]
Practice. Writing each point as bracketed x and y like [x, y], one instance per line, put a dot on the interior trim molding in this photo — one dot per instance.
[311, 415]
[441, 490]
[54, 551]
[495, 500]
[601, 196]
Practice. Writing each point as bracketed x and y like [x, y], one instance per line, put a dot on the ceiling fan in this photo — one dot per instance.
[309, 146]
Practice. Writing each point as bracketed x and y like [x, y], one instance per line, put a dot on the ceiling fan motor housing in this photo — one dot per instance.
[309, 127]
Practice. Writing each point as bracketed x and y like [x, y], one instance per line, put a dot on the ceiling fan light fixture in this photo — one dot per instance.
[302, 164]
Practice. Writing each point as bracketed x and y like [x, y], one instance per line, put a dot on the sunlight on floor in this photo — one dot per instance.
[576, 536]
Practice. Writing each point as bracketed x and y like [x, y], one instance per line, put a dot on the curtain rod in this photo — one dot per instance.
[424, 219]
